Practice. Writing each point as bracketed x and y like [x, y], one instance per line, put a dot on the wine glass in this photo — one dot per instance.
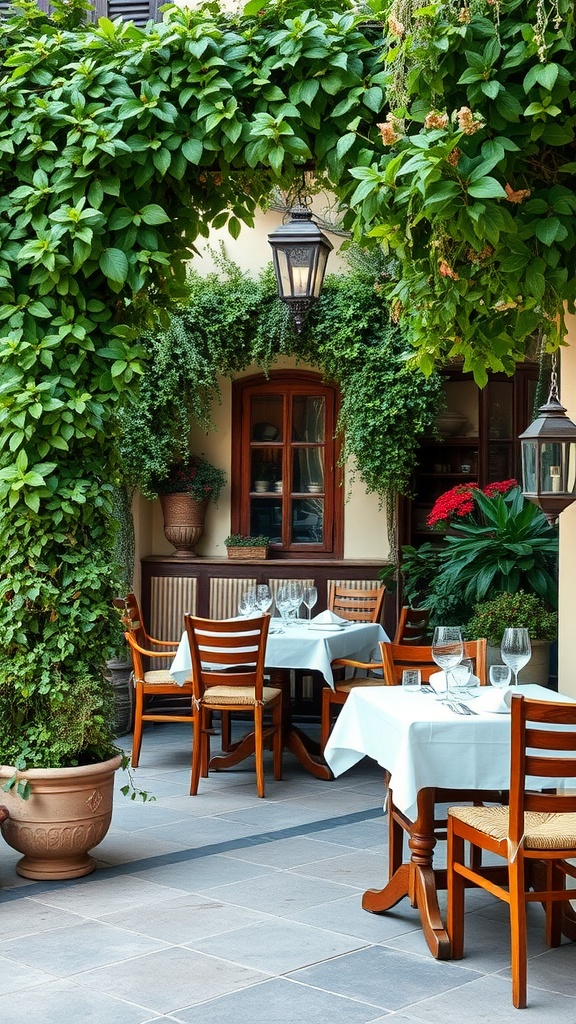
[283, 604]
[516, 650]
[264, 598]
[247, 602]
[310, 596]
[447, 649]
[296, 591]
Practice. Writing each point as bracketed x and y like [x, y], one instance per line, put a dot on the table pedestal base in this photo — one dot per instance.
[293, 739]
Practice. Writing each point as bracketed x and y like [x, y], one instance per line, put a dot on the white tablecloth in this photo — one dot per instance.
[301, 647]
[422, 743]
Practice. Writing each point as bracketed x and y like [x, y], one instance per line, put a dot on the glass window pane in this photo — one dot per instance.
[266, 418]
[266, 518]
[308, 470]
[308, 420]
[265, 468]
[308, 521]
[500, 409]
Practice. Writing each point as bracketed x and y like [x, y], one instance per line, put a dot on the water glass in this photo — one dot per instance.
[462, 676]
[284, 604]
[500, 675]
[516, 650]
[411, 679]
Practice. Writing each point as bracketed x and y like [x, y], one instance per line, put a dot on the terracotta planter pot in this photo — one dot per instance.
[183, 522]
[538, 668]
[68, 812]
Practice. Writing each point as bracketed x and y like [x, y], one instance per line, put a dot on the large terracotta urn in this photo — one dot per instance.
[183, 522]
[68, 812]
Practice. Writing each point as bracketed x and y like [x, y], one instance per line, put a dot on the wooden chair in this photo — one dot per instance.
[134, 622]
[153, 683]
[535, 827]
[358, 606]
[412, 626]
[397, 657]
[228, 675]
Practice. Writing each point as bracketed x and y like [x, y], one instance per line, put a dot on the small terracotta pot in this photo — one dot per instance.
[69, 811]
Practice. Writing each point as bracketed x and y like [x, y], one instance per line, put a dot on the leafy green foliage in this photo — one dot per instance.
[238, 540]
[505, 546]
[473, 187]
[231, 320]
[519, 610]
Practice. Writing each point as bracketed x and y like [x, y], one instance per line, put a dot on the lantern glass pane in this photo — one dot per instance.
[570, 461]
[529, 466]
[295, 270]
[551, 466]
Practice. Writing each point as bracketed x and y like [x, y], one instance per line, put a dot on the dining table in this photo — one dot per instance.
[430, 751]
[301, 644]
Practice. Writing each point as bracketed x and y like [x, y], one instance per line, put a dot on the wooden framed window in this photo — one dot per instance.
[285, 478]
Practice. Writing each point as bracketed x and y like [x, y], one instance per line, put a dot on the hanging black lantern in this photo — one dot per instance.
[549, 457]
[300, 253]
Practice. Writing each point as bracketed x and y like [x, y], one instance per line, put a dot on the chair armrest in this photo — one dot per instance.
[349, 662]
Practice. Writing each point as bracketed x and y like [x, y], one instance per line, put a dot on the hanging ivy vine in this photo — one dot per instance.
[232, 320]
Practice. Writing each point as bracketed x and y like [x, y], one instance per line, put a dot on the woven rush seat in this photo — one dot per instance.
[238, 695]
[158, 676]
[542, 831]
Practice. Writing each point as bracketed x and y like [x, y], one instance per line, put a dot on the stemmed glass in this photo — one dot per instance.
[283, 604]
[264, 598]
[310, 596]
[247, 602]
[447, 650]
[296, 591]
[516, 650]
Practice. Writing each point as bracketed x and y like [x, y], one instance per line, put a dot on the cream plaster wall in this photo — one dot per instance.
[365, 534]
[567, 523]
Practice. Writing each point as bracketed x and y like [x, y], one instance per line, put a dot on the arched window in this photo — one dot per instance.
[285, 479]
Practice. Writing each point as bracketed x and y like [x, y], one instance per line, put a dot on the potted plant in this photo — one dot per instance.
[493, 541]
[517, 610]
[247, 547]
[185, 491]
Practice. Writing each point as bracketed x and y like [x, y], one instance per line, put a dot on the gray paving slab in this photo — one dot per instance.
[224, 907]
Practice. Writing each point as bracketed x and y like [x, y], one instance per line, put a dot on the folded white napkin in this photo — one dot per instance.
[496, 699]
[329, 616]
[438, 682]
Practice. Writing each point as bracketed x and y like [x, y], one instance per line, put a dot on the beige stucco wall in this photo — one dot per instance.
[567, 525]
[365, 534]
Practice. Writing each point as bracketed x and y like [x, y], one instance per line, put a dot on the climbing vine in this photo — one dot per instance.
[231, 320]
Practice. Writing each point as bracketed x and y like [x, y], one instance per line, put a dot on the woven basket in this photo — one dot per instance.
[247, 553]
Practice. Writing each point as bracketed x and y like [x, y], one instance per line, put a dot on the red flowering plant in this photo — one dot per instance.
[497, 541]
[458, 502]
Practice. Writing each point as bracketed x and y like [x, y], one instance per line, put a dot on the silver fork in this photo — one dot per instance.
[460, 709]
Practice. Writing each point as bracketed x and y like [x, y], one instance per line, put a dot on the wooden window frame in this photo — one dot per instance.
[287, 384]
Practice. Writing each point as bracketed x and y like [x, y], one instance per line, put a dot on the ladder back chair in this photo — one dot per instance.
[395, 659]
[535, 835]
[412, 626]
[155, 683]
[228, 675]
[358, 605]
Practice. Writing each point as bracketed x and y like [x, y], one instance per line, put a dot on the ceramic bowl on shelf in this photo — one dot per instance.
[451, 423]
[261, 486]
[314, 488]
